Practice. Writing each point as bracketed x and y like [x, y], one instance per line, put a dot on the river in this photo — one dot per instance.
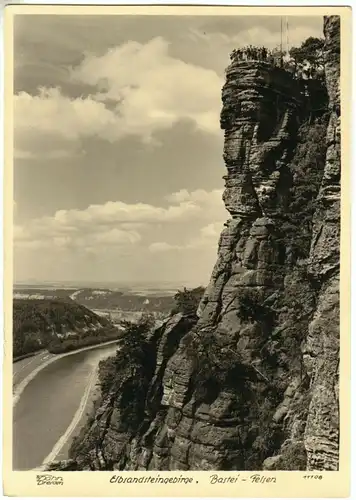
[53, 407]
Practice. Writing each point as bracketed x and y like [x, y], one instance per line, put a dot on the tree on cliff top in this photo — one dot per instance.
[135, 348]
[135, 340]
[187, 301]
[311, 51]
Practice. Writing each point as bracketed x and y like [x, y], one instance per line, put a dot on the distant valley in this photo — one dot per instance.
[153, 301]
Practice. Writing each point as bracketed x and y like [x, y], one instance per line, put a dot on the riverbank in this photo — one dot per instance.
[25, 356]
[46, 362]
[54, 406]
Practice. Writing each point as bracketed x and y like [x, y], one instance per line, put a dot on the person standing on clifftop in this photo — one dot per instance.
[253, 53]
[236, 54]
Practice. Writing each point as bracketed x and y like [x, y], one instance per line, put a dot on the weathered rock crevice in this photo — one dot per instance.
[321, 354]
[253, 383]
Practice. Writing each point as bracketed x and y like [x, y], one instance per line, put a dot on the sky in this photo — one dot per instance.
[117, 147]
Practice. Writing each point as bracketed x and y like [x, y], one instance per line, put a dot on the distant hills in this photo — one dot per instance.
[56, 324]
[150, 301]
[162, 287]
[115, 300]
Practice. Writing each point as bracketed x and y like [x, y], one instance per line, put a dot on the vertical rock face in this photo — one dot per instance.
[321, 354]
[253, 383]
[262, 108]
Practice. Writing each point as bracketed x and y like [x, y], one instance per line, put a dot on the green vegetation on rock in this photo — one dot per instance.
[187, 301]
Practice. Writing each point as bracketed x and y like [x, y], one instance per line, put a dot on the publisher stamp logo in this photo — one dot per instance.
[49, 480]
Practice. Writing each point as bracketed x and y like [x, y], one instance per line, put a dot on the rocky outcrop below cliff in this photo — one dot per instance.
[253, 382]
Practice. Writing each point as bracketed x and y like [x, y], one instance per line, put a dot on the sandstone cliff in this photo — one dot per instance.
[321, 353]
[253, 382]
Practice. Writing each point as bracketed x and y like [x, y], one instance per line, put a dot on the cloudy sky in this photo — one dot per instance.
[118, 153]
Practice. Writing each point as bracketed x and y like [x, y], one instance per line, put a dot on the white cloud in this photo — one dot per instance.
[117, 212]
[210, 202]
[56, 233]
[162, 246]
[99, 238]
[153, 90]
[208, 236]
[211, 230]
[147, 91]
[20, 233]
[117, 236]
[120, 224]
[199, 196]
[52, 113]
[206, 239]
[45, 155]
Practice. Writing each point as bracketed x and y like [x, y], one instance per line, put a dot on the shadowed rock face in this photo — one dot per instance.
[268, 324]
[321, 354]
